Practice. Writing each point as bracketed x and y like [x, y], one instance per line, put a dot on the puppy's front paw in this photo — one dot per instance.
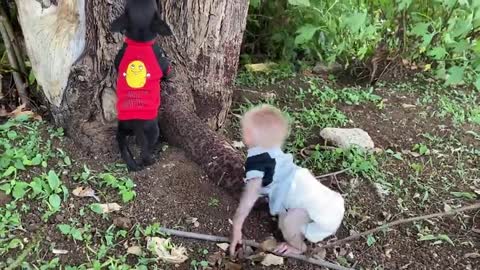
[134, 167]
[148, 161]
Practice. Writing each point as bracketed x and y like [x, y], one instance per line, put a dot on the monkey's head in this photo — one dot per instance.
[141, 21]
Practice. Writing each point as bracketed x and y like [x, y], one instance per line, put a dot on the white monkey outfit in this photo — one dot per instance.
[290, 187]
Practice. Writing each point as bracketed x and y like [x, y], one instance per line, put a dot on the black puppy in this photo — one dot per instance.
[141, 67]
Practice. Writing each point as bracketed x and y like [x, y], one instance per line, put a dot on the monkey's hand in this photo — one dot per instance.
[236, 239]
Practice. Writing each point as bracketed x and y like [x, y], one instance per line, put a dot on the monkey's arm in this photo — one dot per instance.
[249, 197]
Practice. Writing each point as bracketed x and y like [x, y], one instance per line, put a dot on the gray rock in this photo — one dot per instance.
[348, 137]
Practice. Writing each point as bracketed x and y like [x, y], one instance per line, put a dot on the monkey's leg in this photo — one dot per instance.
[127, 156]
[292, 224]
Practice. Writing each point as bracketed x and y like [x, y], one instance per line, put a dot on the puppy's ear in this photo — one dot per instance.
[120, 24]
[160, 27]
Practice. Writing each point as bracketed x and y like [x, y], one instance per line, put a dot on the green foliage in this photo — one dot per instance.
[443, 34]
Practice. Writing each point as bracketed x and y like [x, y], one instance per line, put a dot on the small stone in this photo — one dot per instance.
[348, 137]
[123, 222]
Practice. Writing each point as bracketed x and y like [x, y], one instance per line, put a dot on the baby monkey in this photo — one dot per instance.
[306, 208]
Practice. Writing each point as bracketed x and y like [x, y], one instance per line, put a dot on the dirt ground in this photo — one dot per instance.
[174, 190]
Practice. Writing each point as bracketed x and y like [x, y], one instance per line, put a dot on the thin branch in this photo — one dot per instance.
[14, 41]
[401, 221]
[214, 238]
[332, 174]
[12, 59]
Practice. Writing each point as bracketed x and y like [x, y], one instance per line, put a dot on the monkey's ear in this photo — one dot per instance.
[160, 27]
[120, 24]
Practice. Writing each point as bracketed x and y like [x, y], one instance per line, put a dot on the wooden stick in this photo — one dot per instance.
[252, 243]
[401, 221]
[332, 174]
[14, 41]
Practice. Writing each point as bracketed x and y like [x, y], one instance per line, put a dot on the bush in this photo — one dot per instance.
[442, 34]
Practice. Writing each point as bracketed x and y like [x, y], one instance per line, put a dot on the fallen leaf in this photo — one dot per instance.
[408, 106]
[256, 257]
[269, 244]
[473, 255]
[216, 258]
[232, 266]
[271, 259]
[320, 253]
[122, 222]
[194, 222]
[85, 192]
[135, 250]
[447, 207]
[59, 251]
[238, 144]
[388, 252]
[105, 208]
[166, 251]
[19, 111]
[223, 246]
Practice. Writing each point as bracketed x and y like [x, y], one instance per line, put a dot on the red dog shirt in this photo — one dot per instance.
[141, 66]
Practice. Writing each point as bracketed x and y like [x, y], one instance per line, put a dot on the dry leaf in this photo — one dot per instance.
[135, 250]
[232, 266]
[166, 251]
[59, 251]
[256, 257]
[122, 222]
[216, 258]
[223, 246]
[85, 192]
[20, 111]
[408, 106]
[260, 67]
[388, 252]
[271, 259]
[446, 207]
[473, 255]
[320, 254]
[238, 144]
[194, 222]
[269, 244]
[109, 207]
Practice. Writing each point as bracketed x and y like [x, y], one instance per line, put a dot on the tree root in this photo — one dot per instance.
[252, 243]
[401, 221]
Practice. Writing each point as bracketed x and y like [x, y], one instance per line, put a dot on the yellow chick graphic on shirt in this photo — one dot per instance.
[136, 74]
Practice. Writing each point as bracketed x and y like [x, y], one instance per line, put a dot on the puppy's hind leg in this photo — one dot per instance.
[127, 156]
[142, 140]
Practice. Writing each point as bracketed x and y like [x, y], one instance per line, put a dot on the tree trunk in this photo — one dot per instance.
[72, 51]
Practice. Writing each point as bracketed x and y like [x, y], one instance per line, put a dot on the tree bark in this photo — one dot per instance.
[204, 49]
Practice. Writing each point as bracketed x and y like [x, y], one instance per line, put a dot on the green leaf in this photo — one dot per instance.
[461, 28]
[31, 78]
[455, 75]
[76, 234]
[305, 3]
[19, 165]
[11, 134]
[428, 237]
[15, 243]
[20, 190]
[53, 180]
[22, 117]
[127, 195]
[420, 29]
[95, 207]
[371, 240]
[404, 4]
[477, 83]
[465, 195]
[438, 53]
[255, 3]
[37, 160]
[9, 171]
[36, 187]
[305, 34]
[67, 161]
[356, 21]
[54, 201]
[445, 238]
[64, 228]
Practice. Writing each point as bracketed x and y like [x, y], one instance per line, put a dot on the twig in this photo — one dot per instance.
[12, 59]
[15, 45]
[252, 243]
[401, 221]
[332, 174]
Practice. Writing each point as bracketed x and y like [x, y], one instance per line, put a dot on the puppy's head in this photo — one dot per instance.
[141, 21]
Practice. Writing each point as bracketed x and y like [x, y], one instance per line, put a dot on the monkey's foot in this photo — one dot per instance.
[285, 248]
